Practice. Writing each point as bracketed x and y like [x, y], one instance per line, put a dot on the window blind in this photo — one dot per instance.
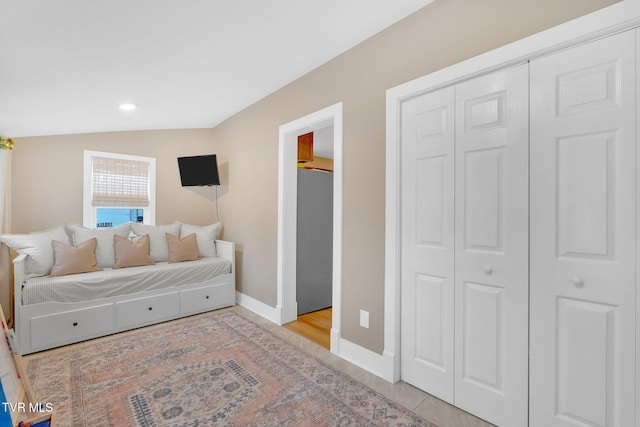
[119, 182]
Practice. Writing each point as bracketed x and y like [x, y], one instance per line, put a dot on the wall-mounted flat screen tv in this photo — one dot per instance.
[199, 170]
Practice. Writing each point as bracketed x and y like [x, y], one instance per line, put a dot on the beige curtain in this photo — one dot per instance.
[5, 221]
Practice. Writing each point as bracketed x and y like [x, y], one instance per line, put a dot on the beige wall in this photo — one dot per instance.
[439, 35]
[48, 170]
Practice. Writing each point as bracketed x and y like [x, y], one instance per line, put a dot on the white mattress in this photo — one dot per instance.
[112, 282]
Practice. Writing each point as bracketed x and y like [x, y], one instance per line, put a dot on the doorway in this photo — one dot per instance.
[314, 240]
[287, 306]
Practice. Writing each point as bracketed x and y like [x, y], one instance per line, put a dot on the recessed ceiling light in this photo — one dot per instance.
[127, 107]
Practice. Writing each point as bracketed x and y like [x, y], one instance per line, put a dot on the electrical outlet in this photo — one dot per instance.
[364, 319]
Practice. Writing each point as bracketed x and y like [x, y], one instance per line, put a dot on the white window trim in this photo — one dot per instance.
[89, 217]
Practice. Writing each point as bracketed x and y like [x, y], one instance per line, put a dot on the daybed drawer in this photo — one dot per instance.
[71, 326]
[205, 298]
[147, 310]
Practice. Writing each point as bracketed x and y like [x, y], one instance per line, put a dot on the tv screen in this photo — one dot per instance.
[199, 170]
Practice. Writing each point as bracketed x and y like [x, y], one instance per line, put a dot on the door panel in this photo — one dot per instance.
[483, 200]
[483, 333]
[427, 242]
[491, 254]
[582, 328]
[585, 171]
[583, 235]
[429, 311]
[429, 215]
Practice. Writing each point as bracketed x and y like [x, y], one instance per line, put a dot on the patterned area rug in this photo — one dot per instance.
[220, 369]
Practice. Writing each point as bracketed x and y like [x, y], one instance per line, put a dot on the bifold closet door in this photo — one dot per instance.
[427, 287]
[492, 248]
[583, 235]
[465, 269]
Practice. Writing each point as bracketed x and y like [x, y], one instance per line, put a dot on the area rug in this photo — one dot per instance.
[218, 369]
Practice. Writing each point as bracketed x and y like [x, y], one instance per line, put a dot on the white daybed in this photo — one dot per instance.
[55, 311]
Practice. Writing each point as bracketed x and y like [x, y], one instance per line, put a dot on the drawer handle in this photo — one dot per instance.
[75, 323]
[150, 308]
[488, 269]
[207, 297]
[577, 282]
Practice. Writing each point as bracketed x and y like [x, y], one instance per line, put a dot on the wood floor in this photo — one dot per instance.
[315, 326]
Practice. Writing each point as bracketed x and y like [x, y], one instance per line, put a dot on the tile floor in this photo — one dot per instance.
[423, 404]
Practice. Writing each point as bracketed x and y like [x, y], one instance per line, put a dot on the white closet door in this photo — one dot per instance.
[427, 138]
[583, 236]
[491, 261]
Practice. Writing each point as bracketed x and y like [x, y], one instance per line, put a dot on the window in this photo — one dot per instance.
[118, 188]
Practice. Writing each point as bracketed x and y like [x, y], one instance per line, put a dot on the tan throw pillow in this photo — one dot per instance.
[129, 253]
[185, 249]
[71, 260]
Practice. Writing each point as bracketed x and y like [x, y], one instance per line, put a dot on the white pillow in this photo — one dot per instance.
[157, 238]
[39, 248]
[205, 236]
[104, 236]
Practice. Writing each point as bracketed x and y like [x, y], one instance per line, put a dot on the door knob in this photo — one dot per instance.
[487, 269]
[577, 282]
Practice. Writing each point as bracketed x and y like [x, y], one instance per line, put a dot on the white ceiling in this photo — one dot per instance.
[66, 65]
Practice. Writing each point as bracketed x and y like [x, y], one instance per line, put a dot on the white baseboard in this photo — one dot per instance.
[377, 364]
[366, 359]
[258, 307]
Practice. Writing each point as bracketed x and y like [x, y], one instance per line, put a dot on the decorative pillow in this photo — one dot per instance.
[159, 248]
[185, 249]
[104, 236]
[38, 246]
[129, 253]
[70, 260]
[205, 235]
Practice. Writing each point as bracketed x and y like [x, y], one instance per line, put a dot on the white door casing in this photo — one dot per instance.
[583, 235]
[428, 242]
[286, 308]
[637, 237]
[491, 246]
